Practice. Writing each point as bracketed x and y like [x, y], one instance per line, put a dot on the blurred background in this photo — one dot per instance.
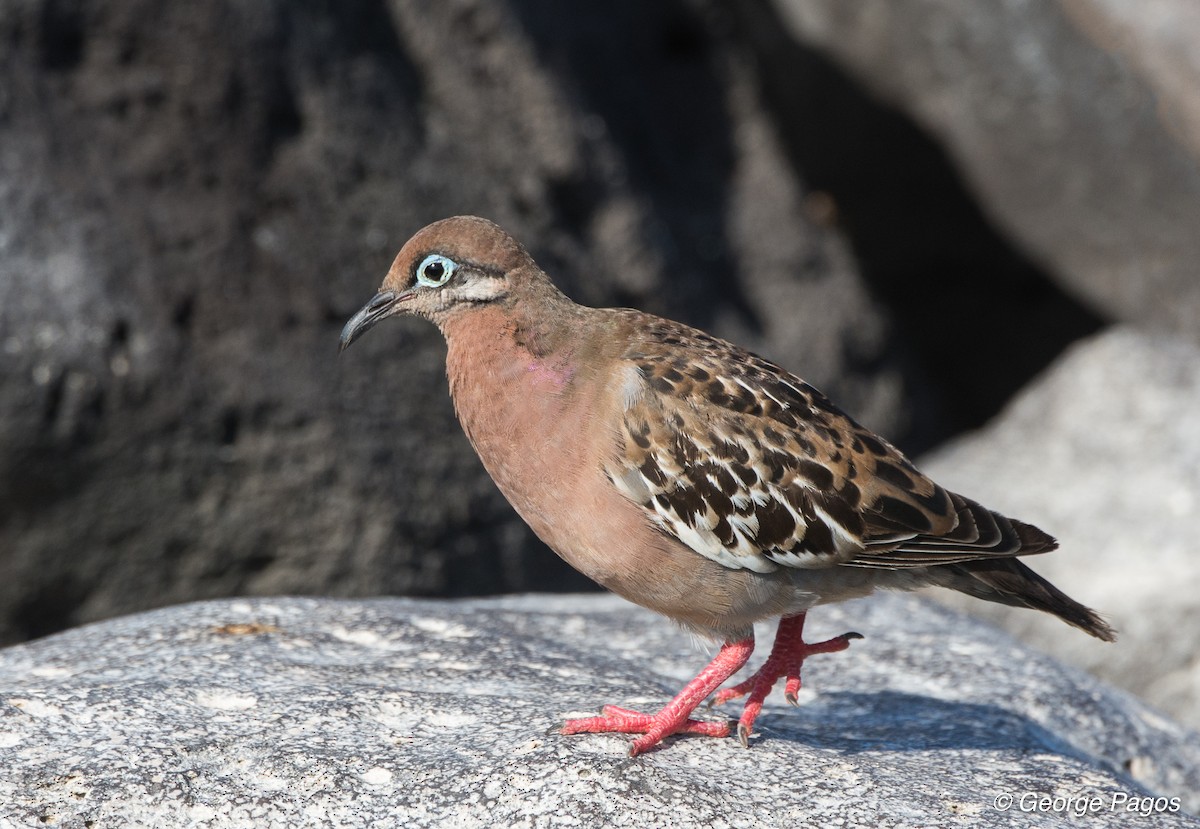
[975, 225]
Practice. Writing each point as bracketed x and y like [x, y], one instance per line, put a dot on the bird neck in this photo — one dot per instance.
[519, 354]
[518, 378]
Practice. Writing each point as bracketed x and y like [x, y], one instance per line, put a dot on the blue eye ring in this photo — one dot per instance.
[435, 270]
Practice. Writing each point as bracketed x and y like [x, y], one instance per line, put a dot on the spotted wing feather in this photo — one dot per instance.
[753, 468]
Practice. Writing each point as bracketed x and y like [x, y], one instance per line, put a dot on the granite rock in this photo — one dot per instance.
[1103, 451]
[316, 712]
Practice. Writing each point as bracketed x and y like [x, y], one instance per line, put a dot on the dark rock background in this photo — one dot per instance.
[194, 197]
[1076, 124]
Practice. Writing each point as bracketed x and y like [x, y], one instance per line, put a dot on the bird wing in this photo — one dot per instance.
[752, 467]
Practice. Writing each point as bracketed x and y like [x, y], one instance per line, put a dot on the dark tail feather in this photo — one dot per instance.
[1008, 581]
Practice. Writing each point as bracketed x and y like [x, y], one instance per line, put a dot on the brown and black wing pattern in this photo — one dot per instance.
[754, 468]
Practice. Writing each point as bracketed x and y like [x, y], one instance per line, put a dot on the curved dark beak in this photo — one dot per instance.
[382, 305]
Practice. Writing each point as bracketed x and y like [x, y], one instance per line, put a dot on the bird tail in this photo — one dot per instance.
[1008, 581]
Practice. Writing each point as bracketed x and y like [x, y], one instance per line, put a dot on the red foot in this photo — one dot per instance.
[787, 657]
[675, 717]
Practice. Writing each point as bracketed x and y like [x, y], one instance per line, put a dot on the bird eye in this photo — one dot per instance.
[434, 270]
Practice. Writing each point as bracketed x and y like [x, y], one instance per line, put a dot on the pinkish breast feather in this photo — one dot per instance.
[554, 374]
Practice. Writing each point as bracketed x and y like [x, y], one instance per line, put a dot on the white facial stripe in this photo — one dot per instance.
[480, 289]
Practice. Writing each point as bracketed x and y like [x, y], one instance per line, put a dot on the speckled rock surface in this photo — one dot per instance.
[300, 712]
[1103, 451]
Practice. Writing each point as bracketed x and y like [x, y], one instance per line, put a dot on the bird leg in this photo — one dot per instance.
[787, 657]
[674, 718]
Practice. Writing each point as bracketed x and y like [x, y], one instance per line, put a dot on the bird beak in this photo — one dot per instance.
[382, 305]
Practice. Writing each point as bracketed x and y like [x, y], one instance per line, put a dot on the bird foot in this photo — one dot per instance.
[786, 659]
[653, 727]
[675, 717]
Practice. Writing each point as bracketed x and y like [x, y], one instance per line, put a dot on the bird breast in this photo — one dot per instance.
[530, 418]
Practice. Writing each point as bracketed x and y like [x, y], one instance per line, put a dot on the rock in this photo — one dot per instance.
[1104, 453]
[196, 196]
[1075, 123]
[293, 712]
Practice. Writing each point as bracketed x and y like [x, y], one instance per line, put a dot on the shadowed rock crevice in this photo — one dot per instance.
[62, 36]
[980, 316]
[50, 607]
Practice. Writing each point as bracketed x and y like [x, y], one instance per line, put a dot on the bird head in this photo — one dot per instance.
[447, 267]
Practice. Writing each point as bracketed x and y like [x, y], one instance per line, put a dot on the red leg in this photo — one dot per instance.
[787, 657]
[674, 718]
